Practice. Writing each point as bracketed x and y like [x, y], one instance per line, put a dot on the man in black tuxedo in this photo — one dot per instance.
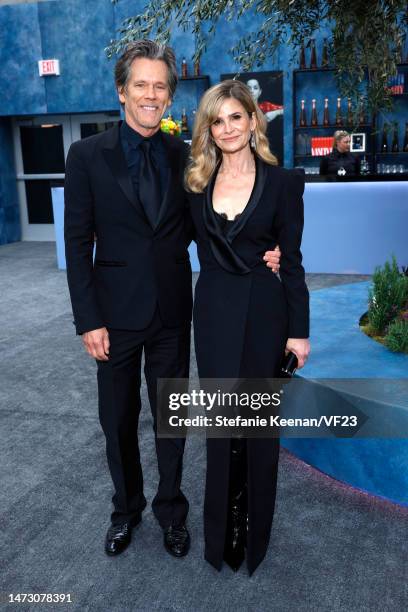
[124, 187]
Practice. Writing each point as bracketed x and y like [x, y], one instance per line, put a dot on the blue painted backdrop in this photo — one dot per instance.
[76, 33]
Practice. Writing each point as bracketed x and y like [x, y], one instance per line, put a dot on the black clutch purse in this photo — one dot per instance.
[289, 365]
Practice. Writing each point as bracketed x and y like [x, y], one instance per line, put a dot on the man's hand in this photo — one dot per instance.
[272, 259]
[96, 343]
[301, 348]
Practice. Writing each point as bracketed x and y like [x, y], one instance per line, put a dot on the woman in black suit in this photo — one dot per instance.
[245, 317]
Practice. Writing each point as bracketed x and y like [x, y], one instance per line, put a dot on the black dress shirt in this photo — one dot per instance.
[331, 164]
[131, 140]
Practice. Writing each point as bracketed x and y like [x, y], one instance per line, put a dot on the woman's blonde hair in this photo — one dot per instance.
[205, 155]
[338, 135]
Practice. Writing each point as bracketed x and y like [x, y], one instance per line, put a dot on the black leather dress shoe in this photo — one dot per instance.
[118, 538]
[177, 540]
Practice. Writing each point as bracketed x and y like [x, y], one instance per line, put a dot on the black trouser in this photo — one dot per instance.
[167, 355]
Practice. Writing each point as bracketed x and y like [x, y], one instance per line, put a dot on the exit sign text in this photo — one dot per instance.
[49, 67]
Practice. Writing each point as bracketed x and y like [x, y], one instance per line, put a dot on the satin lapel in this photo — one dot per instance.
[221, 248]
[210, 219]
[260, 179]
[174, 170]
[115, 158]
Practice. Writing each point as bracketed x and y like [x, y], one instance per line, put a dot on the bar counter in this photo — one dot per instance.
[367, 178]
[354, 224]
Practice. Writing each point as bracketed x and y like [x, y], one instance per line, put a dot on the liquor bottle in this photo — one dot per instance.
[313, 58]
[384, 142]
[184, 121]
[302, 58]
[197, 70]
[362, 120]
[313, 120]
[364, 167]
[349, 112]
[339, 120]
[405, 148]
[401, 83]
[184, 67]
[193, 117]
[325, 54]
[326, 118]
[394, 146]
[302, 118]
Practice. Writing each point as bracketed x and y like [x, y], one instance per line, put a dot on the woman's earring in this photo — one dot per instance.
[252, 142]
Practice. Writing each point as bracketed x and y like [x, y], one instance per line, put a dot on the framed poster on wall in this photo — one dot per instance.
[267, 91]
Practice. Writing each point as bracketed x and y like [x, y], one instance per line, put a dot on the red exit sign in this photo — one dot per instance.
[49, 67]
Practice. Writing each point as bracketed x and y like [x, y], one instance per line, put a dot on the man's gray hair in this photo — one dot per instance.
[148, 49]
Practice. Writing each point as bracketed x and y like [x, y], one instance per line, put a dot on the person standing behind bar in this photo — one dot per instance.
[340, 161]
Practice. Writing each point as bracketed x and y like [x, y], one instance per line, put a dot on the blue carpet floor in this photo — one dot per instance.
[340, 350]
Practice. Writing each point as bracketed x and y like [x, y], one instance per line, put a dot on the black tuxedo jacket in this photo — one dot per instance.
[273, 215]
[136, 266]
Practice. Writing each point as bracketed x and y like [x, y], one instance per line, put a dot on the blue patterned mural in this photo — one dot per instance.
[76, 33]
[22, 90]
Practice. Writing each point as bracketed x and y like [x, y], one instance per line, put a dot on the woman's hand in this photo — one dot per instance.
[301, 348]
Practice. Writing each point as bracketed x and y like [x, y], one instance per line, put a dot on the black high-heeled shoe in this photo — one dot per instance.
[235, 537]
[235, 541]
